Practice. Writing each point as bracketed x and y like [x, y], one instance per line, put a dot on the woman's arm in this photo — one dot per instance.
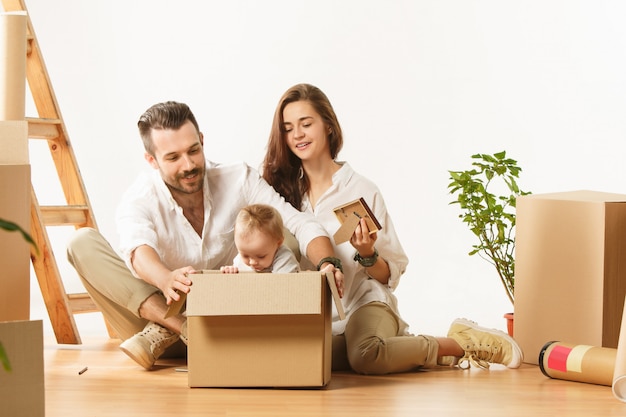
[367, 255]
[319, 249]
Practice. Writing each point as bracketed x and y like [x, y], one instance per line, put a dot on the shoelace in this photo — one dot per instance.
[479, 358]
[471, 359]
[157, 336]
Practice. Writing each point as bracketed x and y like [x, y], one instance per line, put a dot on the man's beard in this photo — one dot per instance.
[178, 185]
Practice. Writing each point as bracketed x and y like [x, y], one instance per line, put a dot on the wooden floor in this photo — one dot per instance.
[114, 385]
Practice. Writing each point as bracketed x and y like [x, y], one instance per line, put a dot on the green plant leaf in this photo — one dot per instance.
[490, 217]
[4, 359]
[13, 227]
[500, 155]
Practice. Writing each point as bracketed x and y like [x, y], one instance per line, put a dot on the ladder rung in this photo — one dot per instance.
[43, 128]
[64, 215]
[81, 303]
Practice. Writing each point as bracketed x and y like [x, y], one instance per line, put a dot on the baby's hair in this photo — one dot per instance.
[260, 217]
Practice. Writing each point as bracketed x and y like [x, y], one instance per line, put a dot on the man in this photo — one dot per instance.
[178, 220]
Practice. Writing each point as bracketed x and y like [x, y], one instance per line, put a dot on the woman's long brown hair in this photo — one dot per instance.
[281, 168]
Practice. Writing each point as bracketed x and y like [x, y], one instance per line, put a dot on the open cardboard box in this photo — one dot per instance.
[260, 330]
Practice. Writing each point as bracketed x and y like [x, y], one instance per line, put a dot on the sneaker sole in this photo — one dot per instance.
[138, 355]
[518, 355]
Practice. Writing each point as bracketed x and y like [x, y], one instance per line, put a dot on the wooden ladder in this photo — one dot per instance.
[78, 212]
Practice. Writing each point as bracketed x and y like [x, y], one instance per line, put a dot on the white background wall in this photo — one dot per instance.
[419, 86]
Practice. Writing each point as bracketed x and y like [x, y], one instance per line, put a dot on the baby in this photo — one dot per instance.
[259, 239]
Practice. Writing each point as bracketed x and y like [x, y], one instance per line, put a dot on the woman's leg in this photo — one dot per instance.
[374, 346]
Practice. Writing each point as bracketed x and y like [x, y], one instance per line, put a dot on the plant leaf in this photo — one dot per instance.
[4, 359]
[14, 227]
[490, 217]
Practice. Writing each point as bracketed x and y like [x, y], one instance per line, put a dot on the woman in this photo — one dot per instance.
[301, 165]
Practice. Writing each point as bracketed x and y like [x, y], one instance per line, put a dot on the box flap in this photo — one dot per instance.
[330, 278]
[254, 294]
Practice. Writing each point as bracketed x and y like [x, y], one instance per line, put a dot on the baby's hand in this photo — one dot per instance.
[230, 269]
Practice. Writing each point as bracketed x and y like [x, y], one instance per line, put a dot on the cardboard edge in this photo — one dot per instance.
[330, 278]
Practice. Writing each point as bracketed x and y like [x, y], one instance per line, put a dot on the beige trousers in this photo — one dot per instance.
[371, 344]
[109, 282]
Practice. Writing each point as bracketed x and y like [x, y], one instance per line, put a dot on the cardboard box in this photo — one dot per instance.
[260, 330]
[14, 143]
[15, 192]
[14, 250]
[570, 269]
[22, 392]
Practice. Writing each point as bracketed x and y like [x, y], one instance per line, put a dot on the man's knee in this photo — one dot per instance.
[79, 241]
[81, 235]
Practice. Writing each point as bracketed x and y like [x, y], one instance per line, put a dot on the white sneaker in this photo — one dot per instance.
[148, 345]
[483, 346]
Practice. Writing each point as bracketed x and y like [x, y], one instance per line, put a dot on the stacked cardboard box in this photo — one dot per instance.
[570, 270]
[21, 389]
[14, 207]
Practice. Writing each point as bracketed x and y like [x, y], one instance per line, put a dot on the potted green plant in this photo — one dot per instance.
[12, 227]
[487, 195]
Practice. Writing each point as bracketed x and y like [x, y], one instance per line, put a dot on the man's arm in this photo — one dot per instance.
[321, 248]
[148, 266]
